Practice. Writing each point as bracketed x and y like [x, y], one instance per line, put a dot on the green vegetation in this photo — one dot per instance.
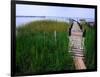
[90, 47]
[38, 52]
[47, 26]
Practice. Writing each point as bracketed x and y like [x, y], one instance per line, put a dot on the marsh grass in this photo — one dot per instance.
[36, 50]
[90, 46]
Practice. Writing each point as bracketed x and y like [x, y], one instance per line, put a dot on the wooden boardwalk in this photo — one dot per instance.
[77, 46]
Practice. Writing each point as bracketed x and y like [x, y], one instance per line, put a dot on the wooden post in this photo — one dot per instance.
[44, 39]
[55, 35]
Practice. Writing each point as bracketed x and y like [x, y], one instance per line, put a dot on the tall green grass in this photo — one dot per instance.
[90, 48]
[37, 51]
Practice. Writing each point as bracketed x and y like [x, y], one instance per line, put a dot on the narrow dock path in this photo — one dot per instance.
[76, 46]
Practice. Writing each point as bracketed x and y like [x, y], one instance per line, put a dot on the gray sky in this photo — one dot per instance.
[38, 10]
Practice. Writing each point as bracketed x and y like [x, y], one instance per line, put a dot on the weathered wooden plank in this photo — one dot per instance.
[77, 46]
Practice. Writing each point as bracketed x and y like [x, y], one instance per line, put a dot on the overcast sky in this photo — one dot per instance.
[39, 10]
